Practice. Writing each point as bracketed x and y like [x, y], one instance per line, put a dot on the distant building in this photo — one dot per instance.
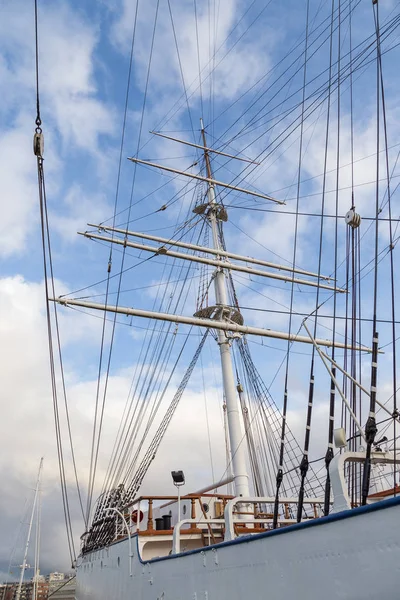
[42, 590]
[6, 592]
[58, 585]
[56, 577]
[45, 587]
[10, 591]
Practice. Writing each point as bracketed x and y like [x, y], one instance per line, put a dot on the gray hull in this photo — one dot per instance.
[353, 555]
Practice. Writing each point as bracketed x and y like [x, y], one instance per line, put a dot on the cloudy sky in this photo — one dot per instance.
[239, 65]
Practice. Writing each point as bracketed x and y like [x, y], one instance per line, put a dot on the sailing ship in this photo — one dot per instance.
[287, 526]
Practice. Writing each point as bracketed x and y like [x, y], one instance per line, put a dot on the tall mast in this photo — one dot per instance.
[37, 547]
[238, 455]
[35, 500]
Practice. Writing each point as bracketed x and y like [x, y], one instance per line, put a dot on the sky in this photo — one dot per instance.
[240, 69]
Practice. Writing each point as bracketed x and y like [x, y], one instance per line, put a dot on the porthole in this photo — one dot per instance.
[170, 513]
[118, 561]
[206, 508]
[184, 509]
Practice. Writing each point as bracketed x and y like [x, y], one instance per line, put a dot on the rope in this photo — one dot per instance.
[38, 120]
[304, 461]
[61, 465]
[370, 427]
[180, 67]
[49, 274]
[132, 423]
[279, 474]
[332, 395]
[392, 269]
[94, 453]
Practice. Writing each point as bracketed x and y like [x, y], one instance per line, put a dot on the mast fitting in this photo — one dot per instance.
[352, 219]
[219, 211]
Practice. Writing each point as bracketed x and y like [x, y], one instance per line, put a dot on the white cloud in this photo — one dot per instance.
[225, 67]
[27, 430]
[75, 119]
[78, 207]
[19, 189]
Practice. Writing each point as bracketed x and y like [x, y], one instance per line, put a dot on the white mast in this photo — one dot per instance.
[238, 454]
[37, 547]
[35, 499]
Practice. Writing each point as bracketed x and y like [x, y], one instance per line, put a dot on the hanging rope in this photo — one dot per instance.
[38, 120]
[392, 268]
[38, 148]
[329, 451]
[304, 461]
[370, 427]
[279, 475]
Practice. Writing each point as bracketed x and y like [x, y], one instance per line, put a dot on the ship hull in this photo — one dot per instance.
[351, 555]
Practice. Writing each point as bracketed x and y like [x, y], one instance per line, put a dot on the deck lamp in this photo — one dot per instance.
[178, 478]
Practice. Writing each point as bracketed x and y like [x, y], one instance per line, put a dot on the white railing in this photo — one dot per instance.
[176, 537]
[230, 520]
[129, 535]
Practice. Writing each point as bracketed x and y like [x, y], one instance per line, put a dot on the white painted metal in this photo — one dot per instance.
[214, 486]
[223, 325]
[206, 179]
[36, 569]
[230, 505]
[115, 510]
[337, 386]
[236, 438]
[168, 137]
[355, 558]
[339, 437]
[336, 473]
[171, 242]
[209, 261]
[177, 534]
[28, 537]
[357, 383]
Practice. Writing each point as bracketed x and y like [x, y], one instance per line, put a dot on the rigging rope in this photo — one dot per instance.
[304, 462]
[38, 147]
[370, 427]
[132, 420]
[279, 474]
[332, 395]
[94, 453]
[121, 497]
[391, 244]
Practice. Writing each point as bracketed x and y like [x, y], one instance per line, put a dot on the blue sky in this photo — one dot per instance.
[84, 62]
